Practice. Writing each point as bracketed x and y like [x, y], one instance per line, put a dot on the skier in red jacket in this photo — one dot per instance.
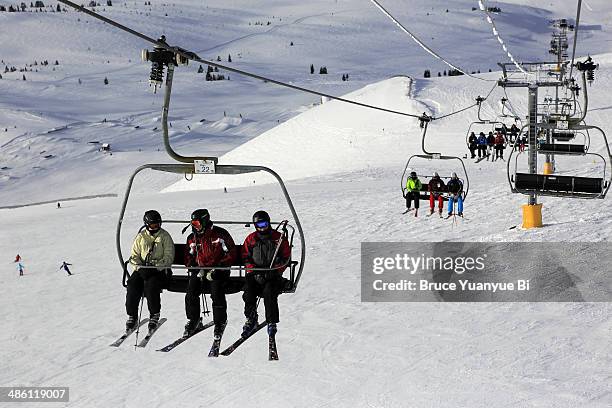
[208, 246]
[264, 248]
[500, 142]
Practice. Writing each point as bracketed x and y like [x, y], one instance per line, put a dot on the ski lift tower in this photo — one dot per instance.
[558, 47]
[534, 75]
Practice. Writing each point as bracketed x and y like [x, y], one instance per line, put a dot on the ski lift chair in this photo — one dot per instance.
[424, 193]
[178, 282]
[568, 186]
[433, 156]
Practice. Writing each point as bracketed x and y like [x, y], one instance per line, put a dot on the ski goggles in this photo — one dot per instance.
[196, 223]
[154, 226]
[262, 224]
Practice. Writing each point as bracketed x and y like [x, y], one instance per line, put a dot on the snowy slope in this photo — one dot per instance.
[343, 166]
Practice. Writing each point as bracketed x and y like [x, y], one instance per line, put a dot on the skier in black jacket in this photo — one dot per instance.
[473, 142]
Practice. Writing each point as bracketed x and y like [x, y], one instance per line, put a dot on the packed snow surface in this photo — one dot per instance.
[342, 165]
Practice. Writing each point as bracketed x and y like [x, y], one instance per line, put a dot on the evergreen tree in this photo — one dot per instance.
[229, 58]
[427, 74]
[311, 69]
[23, 78]
[200, 70]
[105, 81]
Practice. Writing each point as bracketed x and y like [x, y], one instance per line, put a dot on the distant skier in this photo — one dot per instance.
[261, 249]
[514, 130]
[500, 145]
[455, 190]
[20, 268]
[490, 145]
[65, 267]
[413, 193]
[212, 248]
[473, 144]
[522, 144]
[482, 145]
[436, 189]
[152, 253]
[58, 205]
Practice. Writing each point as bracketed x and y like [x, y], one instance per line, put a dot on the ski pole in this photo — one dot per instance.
[138, 323]
[205, 310]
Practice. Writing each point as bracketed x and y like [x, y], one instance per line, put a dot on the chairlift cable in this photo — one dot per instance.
[499, 39]
[468, 107]
[194, 57]
[423, 45]
[512, 109]
[579, 7]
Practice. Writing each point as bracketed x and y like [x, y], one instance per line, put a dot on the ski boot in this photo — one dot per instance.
[191, 327]
[249, 325]
[219, 329]
[272, 329]
[153, 321]
[130, 324]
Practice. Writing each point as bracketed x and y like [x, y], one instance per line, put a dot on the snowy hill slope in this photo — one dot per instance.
[343, 175]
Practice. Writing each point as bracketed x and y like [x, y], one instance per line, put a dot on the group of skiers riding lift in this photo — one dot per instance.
[486, 144]
[210, 251]
[436, 189]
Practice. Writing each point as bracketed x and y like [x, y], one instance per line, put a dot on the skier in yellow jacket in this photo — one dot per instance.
[152, 253]
[413, 192]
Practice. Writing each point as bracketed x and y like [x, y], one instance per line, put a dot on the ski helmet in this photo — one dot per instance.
[261, 220]
[436, 175]
[413, 174]
[200, 219]
[454, 175]
[152, 220]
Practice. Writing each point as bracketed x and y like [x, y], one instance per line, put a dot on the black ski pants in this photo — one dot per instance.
[149, 282]
[499, 151]
[217, 295]
[413, 195]
[482, 151]
[473, 150]
[269, 291]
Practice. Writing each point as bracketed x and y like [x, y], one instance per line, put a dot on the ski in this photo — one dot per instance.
[241, 340]
[150, 334]
[214, 350]
[181, 339]
[125, 335]
[272, 351]
[408, 210]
